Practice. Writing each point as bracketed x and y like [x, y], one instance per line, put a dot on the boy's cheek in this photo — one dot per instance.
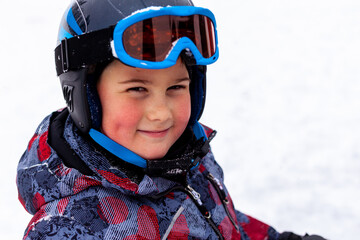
[128, 116]
[120, 118]
[184, 111]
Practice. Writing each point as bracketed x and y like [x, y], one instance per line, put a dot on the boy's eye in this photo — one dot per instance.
[177, 87]
[136, 89]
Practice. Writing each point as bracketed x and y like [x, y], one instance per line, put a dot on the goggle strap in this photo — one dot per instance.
[86, 49]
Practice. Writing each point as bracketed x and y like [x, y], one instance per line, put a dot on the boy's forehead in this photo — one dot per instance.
[126, 74]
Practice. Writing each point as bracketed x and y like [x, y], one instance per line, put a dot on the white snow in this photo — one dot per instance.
[153, 8]
[284, 97]
[112, 44]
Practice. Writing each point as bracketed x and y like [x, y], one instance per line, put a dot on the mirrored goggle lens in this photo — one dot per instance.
[152, 39]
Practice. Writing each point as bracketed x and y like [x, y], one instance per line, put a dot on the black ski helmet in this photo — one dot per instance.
[86, 16]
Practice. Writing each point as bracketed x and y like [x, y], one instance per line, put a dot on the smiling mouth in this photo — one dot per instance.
[155, 134]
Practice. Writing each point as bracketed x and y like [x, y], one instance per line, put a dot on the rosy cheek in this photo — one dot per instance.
[184, 110]
[119, 116]
[129, 115]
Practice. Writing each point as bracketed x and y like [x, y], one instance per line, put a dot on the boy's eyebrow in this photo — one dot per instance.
[135, 80]
[182, 80]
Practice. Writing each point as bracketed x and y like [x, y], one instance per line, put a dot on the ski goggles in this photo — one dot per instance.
[152, 38]
[155, 38]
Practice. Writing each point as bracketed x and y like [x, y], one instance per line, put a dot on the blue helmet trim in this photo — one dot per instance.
[181, 44]
[64, 34]
[116, 149]
[199, 131]
[72, 22]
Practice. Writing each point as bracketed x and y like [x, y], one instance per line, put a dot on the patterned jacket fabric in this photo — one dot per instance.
[108, 204]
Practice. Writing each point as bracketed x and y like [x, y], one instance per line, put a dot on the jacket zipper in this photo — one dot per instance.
[221, 193]
[195, 196]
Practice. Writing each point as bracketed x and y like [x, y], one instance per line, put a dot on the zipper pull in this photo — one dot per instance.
[221, 192]
[217, 181]
[195, 195]
[221, 189]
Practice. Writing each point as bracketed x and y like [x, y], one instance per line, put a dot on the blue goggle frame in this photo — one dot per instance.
[184, 43]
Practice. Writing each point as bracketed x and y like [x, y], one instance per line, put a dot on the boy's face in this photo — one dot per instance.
[144, 110]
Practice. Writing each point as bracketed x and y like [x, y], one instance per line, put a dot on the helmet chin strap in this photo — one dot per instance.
[117, 149]
[160, 167]
[180, 165]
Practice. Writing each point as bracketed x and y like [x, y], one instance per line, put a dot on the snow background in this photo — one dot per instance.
[284, 98]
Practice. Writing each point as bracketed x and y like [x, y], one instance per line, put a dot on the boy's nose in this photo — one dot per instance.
[159, 110]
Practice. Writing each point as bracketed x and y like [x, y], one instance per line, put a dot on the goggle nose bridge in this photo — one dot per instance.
[183, 43]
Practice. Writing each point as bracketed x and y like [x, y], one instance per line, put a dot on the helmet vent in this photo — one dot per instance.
[68, 95]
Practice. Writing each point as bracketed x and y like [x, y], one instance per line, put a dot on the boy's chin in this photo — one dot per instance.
[154, 154]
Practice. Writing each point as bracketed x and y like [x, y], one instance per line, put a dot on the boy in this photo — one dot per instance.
[128, 158]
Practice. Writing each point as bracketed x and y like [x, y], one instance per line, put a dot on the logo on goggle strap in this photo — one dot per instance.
[68, 95]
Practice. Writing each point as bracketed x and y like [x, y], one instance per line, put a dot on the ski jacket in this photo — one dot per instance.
[90, 198]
